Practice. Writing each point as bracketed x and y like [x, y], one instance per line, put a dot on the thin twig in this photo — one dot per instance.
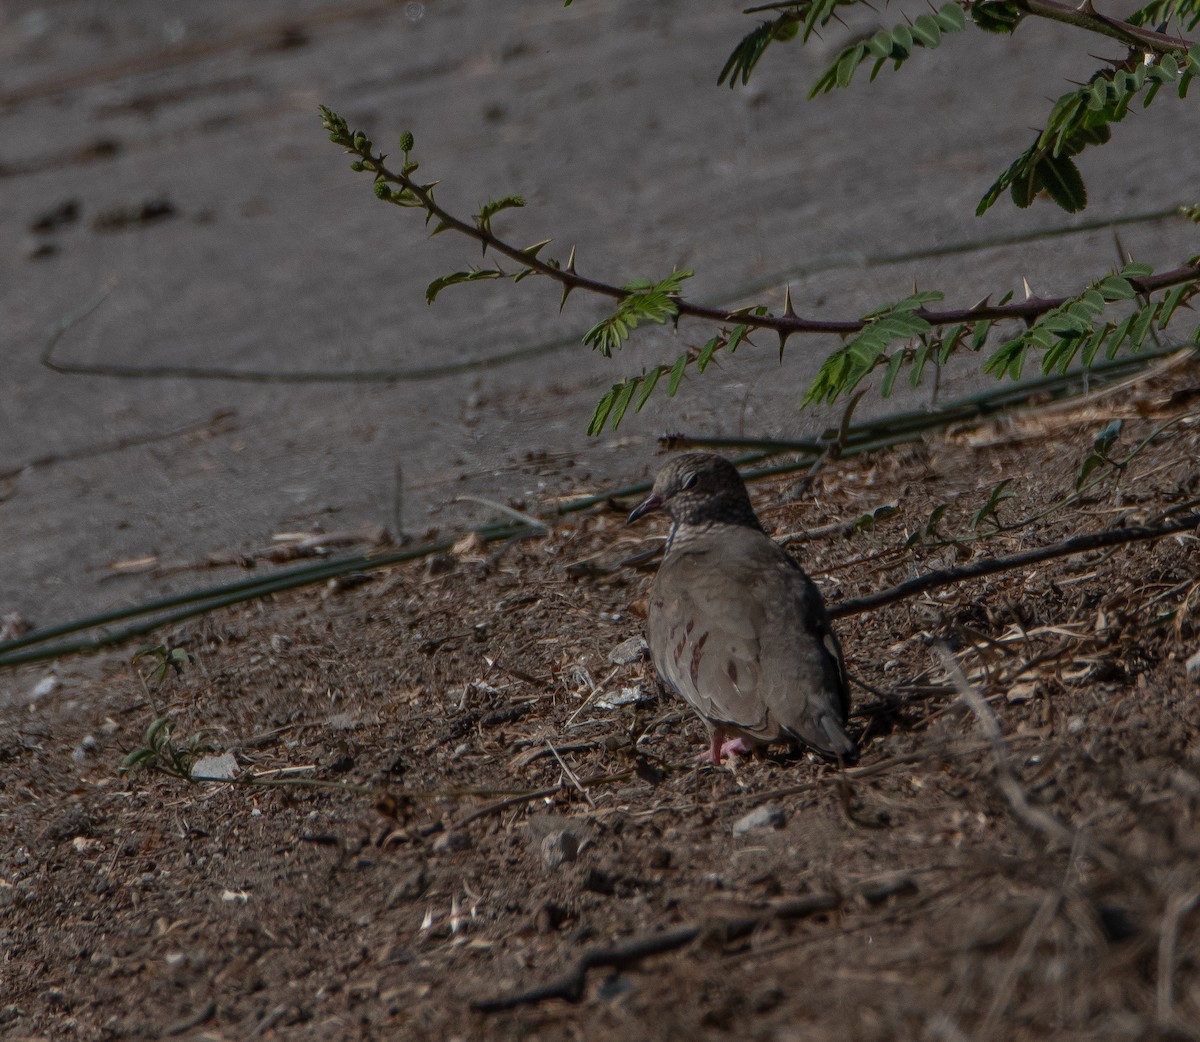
[529, 797]
[628, 953]
[510, 512]
[570, 775]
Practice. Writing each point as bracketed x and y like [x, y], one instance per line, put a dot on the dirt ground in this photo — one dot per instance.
[457, 783]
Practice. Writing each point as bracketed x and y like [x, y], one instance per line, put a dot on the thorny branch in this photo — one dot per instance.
[786, 324]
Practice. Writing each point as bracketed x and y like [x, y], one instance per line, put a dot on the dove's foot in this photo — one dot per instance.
[720, 748]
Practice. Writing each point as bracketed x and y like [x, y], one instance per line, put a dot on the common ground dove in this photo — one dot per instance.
[735, 626]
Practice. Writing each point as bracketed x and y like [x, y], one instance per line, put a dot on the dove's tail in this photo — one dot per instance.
[841, 744]
[830, 740]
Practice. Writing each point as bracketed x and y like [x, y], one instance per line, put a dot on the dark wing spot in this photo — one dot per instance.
[731, 672]
[696, 656]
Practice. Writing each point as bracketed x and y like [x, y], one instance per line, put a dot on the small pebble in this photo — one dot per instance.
[628, 652]
[409, 888]
[451, 842]
[223, 766]
[559, 847]
[47, 685]
[768, 816]
[1193, 668]
[629, 696]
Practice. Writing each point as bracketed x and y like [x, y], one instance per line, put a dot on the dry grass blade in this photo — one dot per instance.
[1033, 818]
[1179, 905]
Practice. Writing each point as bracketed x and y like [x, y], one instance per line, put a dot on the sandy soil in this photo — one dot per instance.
[457, 779]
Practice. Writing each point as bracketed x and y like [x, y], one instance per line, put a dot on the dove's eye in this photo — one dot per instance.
[688, 481]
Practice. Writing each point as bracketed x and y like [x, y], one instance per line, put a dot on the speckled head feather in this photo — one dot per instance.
[700, 488]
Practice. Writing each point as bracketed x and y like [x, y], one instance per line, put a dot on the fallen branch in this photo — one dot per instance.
[571, 986]
[1079, 544]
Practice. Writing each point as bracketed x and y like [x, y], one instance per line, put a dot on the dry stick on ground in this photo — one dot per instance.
[539, 794]
[571, 985]
[991, 565]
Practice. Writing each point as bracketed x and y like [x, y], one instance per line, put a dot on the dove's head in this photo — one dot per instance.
[700, 488]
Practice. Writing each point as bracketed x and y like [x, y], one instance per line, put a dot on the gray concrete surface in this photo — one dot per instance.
[283, 299]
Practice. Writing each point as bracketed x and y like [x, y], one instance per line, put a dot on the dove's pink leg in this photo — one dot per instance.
[737, 747]
[719, 748]
[713, 753]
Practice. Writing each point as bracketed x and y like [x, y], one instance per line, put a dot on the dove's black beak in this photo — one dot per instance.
[648, 505]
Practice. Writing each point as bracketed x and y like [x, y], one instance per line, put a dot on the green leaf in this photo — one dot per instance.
[980, 333]
[677, 374]
[1008, 359]
[649, 382]
[1103, 442]
[1024, 188]
[950, 342]
[889, 376]
[1140, 328]
[896, 45]
[987, 512]
[621, 403]
[1116, 288]
[995, 17]
[646, 301]
[925, 31]
[456, 278]
[1087, 353]
[1136, 270]
[847, 63]
[158, 731]
[1170, 302]
[918, 365]
[1061, 178]
[603, 408]
[951, 18]
[1118, 335]
[749, 50]
[865, 522]
[880, 45]
[1085, 469]
[706, 353]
